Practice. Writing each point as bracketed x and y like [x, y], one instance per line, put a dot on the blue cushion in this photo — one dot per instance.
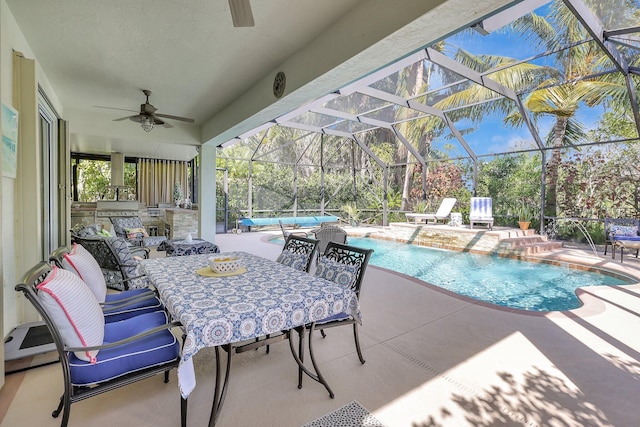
[134, 308]
[114, 362]
[335, 317]
[626, 238]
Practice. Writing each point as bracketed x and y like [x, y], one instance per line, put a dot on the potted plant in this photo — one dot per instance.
[353, 213]
[177, 194]
[525, 215]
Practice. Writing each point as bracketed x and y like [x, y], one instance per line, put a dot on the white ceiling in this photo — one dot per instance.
[103, 53]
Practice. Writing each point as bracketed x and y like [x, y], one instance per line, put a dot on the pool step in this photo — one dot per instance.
[526, 245]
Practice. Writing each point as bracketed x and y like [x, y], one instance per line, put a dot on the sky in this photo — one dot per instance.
[492, 136]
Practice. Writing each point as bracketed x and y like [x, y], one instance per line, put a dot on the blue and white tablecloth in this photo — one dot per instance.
[268, 298]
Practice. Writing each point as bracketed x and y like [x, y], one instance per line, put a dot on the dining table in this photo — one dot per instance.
[261, 302]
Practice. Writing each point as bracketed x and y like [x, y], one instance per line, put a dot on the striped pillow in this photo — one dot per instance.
[74, 310]
[81, 262]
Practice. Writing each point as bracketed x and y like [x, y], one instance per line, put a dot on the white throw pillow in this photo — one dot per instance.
[75, 311]
[81, 262]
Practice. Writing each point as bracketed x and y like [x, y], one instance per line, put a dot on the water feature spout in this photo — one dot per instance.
[551, 230]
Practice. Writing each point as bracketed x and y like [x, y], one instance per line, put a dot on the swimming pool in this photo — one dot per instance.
[507, 282]
[502, 281]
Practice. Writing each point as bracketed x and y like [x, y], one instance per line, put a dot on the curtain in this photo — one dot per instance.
[158, 178]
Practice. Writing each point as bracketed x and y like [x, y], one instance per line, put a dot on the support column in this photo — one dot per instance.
[207, 193]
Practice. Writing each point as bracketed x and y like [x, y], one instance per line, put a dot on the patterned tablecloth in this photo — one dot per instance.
[268, 298]
[184, 247]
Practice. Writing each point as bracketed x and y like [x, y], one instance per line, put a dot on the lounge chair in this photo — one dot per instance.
[286, 234]
[481, 211]
[442, 213]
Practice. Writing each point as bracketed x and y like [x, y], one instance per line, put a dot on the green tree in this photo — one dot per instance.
[94, 178]
[560, 92]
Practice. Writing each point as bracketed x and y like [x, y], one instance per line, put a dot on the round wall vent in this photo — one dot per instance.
[279, 83]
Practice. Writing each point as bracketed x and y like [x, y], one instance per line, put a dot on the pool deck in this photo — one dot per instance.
[433, 360]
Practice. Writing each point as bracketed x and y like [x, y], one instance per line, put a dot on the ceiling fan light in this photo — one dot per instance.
[146, 123]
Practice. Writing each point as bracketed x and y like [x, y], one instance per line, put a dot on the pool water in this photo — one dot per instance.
[503, 281]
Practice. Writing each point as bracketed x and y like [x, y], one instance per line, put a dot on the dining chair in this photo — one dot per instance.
[298, 252]
[116, 306]
[95, 356]
[344, 265]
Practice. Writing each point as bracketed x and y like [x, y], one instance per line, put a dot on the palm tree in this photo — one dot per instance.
[422, 132]
[557, 92]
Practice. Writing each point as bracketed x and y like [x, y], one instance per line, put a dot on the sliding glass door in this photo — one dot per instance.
[49, 155]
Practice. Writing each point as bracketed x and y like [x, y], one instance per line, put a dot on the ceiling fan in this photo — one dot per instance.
[147, 117]
[241, 13]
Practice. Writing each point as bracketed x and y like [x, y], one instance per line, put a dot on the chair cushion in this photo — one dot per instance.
[130, 266]
[623, 230]
[133, 308]
[121, 224]
[74, 310]
[342, 274]
[152, 350]
[86, 231]
[136, 233]
[293, 260]
[335, 318]
[82, 263]
[626, 238]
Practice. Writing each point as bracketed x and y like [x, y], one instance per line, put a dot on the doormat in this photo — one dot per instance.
[26, 340]
[351, 415]
[36, 336]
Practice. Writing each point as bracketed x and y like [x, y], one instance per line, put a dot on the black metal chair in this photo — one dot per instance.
[298, 252]
[116, 260]
[352, 263]
[129, 351]
[132, 229]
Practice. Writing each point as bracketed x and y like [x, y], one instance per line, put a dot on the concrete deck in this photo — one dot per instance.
[433, 359]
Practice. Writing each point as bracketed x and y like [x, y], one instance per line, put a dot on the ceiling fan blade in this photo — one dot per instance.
[121, 118]
[113, 108]
[241, 13]
[182, 119]
[137, 118]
